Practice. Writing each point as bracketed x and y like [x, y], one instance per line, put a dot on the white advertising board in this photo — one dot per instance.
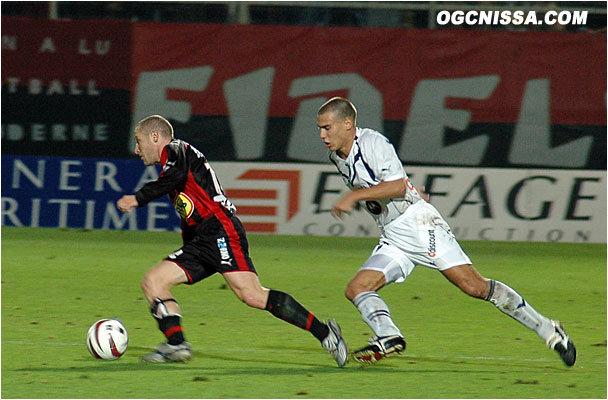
[479, 204]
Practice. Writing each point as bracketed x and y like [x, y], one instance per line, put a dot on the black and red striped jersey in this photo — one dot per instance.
[190, 182]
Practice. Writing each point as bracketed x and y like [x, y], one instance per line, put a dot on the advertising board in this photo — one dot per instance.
[296, 199]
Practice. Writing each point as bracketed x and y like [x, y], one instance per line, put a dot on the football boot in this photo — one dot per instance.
[166, 352]
[380, 348]
[561, 343]
[335, 344]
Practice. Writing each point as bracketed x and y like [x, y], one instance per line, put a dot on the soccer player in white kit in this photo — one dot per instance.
[412, 233]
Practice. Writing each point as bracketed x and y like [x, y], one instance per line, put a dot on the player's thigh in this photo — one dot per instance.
[468, 279]
[426, 238]
[443, 250]
[165, 274]
[391, 261]
[247, 287]
[197, 259]
[365, 280]
[213, 250]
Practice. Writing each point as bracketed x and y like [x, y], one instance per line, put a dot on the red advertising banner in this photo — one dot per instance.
[249, 92]
[65, 50]
[393, 61]
[443, 97]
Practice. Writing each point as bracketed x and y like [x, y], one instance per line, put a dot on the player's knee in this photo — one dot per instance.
[477, 289]
[352, 290]
[358, 285]
[152, 284]
[146, 285]
[348, 293]
[252, 298]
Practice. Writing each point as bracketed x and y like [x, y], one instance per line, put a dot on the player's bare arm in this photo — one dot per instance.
[126, 203]
[384, 190]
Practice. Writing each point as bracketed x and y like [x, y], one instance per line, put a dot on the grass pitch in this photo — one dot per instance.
[56, 283]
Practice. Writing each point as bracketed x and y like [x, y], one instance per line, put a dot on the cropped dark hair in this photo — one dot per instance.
[340, 106]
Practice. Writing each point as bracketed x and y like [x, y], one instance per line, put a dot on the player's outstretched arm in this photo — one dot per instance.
[126, 203]
[385, 190]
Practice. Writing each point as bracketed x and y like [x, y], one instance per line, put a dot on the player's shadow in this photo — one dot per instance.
[410, 364]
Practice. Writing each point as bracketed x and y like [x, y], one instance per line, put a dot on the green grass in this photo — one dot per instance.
[56, 283]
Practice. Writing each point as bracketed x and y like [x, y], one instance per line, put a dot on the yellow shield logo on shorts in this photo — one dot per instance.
[184, 205]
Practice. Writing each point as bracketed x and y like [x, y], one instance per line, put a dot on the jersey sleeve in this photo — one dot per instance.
[383, 157]
[173, 175]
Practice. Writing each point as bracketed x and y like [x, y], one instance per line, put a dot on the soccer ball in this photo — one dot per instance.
[107, 339]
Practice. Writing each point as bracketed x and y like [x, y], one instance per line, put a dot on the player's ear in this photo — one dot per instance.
[154, 136]
[348, 123]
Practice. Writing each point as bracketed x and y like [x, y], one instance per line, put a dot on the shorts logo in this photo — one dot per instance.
[176, 254]
[432, 246]
[224, 253]
[184, 205]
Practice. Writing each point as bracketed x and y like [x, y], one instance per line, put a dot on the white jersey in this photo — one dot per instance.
[371, 161]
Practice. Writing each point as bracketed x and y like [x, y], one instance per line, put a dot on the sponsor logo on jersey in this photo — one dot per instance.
[374, 207]
[432, 245]
[184, 205]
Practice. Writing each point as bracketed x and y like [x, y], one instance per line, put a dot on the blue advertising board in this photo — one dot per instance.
[61, 192]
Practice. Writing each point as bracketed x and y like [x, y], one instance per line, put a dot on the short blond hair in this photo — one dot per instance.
[156, 123]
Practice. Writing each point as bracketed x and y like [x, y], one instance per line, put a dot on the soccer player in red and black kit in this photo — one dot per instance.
[214, 240]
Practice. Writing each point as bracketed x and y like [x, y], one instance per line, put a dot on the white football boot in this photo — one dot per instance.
[166, 352]
[335, 344]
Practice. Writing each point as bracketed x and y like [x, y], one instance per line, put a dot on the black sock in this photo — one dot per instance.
[318, 329]
[172, 329]
[285, 307]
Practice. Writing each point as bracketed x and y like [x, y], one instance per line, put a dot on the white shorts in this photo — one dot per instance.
[418, 237]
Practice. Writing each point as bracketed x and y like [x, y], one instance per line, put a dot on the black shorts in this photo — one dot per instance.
[219, 245]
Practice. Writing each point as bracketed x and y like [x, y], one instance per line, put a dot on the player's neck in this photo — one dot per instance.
[160, 148]
[345, 150]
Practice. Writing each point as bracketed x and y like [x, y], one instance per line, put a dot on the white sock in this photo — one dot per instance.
[511, 303]
[375, 313]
